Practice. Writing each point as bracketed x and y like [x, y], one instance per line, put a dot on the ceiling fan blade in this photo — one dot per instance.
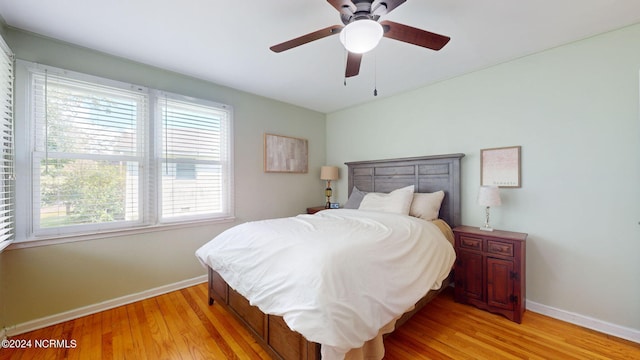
[353, 64]
[383, 7]
[343, 6]
[328, 31]
[414, 36]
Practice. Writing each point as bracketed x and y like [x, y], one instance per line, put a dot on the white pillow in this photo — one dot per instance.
[426, 205]
[398, 201]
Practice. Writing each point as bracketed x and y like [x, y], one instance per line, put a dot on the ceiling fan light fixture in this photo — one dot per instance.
[361, 36]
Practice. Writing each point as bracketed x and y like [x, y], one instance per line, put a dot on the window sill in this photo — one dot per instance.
[56, 240]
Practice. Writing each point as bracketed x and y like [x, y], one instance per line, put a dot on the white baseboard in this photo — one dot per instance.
[585, 321]
[573, 318]
[95, 308]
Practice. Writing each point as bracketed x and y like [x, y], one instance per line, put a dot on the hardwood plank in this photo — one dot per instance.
[189, 340]
[210, 325]
[201, 337]
[479, 334]
[428, 339]
[475, 327]
[140, 333]
[181, 325]
[39, 352]
[225, 326]
[92, 337]
[230, 326]
[166, 346]
[106, 337]
[76, 334]
[122, 335]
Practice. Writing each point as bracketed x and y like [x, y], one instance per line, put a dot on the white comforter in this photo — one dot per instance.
[337, 276]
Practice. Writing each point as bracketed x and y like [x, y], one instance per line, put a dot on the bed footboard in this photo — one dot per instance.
[270, 331]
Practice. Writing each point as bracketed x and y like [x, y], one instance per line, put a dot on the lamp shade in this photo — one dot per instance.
[489, 196]
[329, 173]
[361, 36]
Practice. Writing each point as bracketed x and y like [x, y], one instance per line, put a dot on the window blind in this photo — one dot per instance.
[107, 156]
[195, 159]
[88, 149]
[7, 219]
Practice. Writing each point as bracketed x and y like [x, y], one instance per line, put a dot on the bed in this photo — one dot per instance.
[320, 320]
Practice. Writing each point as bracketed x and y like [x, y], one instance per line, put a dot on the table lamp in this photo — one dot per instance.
[488, 196]
[328, 173]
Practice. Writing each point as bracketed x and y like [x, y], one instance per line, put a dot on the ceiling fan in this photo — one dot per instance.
[362, 31]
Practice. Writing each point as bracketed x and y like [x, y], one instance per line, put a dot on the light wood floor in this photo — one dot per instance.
[181, 325]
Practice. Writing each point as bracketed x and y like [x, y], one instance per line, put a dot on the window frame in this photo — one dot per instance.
[158, 97]
[149, 187]
[36, 155]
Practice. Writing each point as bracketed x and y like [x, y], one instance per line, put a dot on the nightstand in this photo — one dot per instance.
[315, 209]
[490, 270]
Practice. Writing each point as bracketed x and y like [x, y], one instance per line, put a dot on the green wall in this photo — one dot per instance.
[574, 111]
[47, 280]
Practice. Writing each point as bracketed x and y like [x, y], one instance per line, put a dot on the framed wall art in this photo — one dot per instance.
[285, 154]
[500, 167]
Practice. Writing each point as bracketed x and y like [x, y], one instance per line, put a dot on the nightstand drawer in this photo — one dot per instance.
[499, 248]
[471, 243]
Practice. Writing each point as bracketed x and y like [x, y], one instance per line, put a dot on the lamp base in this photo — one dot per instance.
[486, 226]
[327, 193]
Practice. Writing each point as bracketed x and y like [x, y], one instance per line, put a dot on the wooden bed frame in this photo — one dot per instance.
[428, 174]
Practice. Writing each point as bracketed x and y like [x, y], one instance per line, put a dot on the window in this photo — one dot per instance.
[6, 147]
[195, 153]
[107, 155]
[88, 150]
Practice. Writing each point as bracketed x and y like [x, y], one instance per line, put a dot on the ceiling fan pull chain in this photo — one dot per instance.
[375, 74]
[346, 60]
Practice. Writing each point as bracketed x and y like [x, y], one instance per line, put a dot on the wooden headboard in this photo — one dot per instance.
[427, 173]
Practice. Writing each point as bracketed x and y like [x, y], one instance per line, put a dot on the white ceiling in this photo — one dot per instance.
[227, 42]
